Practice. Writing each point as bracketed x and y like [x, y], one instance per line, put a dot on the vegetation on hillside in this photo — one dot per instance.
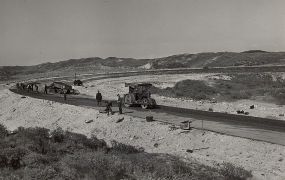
[37, 153]
[241, 86]
[194, 89]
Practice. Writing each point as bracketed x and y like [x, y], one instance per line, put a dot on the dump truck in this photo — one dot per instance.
[139, 94]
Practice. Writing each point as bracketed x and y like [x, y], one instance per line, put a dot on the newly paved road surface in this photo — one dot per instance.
[262, 129]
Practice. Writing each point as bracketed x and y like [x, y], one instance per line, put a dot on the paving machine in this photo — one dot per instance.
[139, 94]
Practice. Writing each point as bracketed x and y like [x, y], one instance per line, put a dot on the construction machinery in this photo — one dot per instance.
[77, 83]
[62, 87]
[139, 94]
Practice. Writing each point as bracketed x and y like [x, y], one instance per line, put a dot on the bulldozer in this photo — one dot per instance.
[139, 94]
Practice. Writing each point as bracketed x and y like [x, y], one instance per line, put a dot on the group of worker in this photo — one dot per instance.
[35, 87]
[28, 87]
[99, 98]
[109, 103]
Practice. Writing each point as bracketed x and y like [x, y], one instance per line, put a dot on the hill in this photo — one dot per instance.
[114, 64]
[221, 59]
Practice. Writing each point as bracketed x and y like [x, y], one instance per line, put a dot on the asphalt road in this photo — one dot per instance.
[262, 129]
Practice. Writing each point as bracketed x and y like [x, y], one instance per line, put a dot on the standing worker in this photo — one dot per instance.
[120, 104]
[37, 88]
[46, 89]
[109, 108]
[64, 94]
[29, 87]
[98, 98]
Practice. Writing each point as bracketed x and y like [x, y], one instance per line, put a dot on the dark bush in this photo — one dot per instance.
[57, 135]
[241, 94]
[123, 148]
[81, 140]
[3, 131]
[244, 86]
[232, 172]
[74, 156]
[12, 157]
[279, 95]
[33, 133]
[194, 89]
[3, 161]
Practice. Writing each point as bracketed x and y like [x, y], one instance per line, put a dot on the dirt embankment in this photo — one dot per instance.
[264, 159]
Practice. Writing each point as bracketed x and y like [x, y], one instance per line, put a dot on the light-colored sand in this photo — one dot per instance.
[111, 87]
[262, 158]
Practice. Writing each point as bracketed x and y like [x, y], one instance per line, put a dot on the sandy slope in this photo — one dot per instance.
[262, 158]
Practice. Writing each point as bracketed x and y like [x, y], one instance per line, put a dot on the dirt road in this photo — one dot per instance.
[262, 129]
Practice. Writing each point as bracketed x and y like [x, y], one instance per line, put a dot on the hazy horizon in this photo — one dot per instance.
[38, 31]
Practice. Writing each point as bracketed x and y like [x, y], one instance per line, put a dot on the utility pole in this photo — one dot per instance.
[74, 76]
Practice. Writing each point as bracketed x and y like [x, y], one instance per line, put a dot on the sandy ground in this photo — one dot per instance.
[264, 159]
[111, 87]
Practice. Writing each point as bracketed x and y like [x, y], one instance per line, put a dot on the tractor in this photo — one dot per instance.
[139, 94]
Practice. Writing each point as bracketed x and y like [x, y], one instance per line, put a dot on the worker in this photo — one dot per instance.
[28, 87]
[109, 108]
[120, 104]
[64, 94]
[46, 89]
[98, 98]
[37, 88]
[23, 86]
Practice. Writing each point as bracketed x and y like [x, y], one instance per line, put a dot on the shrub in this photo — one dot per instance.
[3, 161]
[206, 67]
[12, 157]
[33, 134]
[194, 89]
[93, 142]
[232, 172]
[279, 95]
[3, 131]
[241, 94]
[123, 148]
[74, 156]
[57, 135]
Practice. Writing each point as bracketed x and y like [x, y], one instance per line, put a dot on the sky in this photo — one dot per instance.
[38, 31]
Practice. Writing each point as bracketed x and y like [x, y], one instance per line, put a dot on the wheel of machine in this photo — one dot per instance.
[144, 104]
[128, 100]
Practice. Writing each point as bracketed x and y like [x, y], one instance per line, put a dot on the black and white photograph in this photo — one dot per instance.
[142, 89]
